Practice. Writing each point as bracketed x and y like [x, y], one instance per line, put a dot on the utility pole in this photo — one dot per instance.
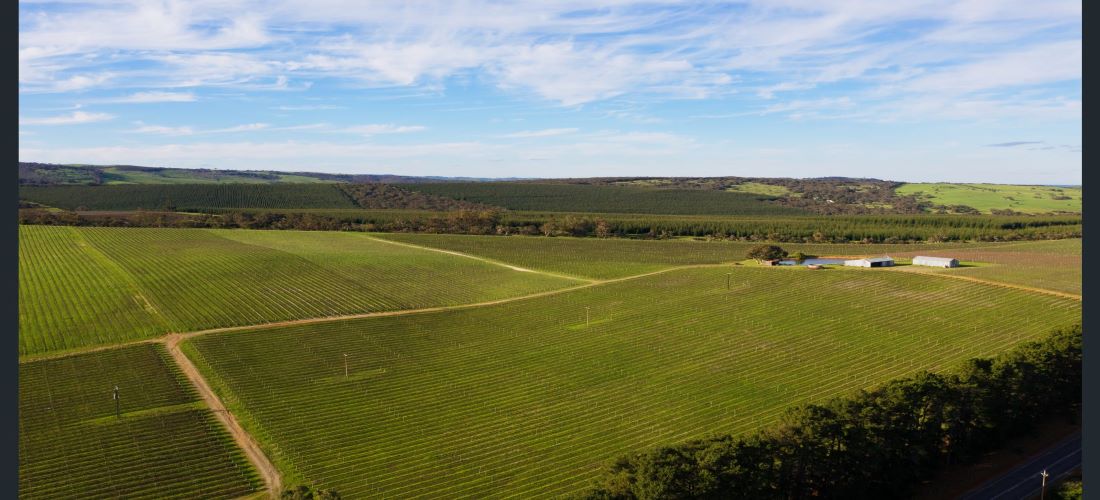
[728, 281]
[1043, 492]
[586, 308]
[117, 414]
[345, 366]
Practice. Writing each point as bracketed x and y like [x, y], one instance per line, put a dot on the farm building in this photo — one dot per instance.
[935, 261]
[870, 262]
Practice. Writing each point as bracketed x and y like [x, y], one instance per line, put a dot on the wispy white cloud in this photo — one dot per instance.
[74, 118]
[308, 107]
[563, 52]
[144, 128]
[161, 130]
[151, 97]
[546, 132]
[382, 128]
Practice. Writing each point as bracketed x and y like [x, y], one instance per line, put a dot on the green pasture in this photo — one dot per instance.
[101, 285]
[760, 188]
[165, 445]
[533, 398]
[986, 197]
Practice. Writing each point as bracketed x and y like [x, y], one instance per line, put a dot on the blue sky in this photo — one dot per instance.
[964, 91]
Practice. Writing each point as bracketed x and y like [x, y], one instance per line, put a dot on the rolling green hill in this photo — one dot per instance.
[989, 197]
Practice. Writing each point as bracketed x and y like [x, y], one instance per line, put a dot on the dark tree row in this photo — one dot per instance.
[880, 229]
[876, 444]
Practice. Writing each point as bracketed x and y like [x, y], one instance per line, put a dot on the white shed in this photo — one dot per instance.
[870, 262]
[935, 261]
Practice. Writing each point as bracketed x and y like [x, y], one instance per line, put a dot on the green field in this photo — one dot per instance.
[165, 445]
[531, 399]
[1051, 265]
[601, 199]
[986, 197]
[615, 258]
[92, 286]
[760, 188]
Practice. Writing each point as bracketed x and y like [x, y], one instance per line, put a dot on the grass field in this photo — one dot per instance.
[985, 197]
[166, 445]
[530, 399]
[615, 258]
[760, 188]
[93, 286]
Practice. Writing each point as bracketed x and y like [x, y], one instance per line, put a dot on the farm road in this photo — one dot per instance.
[244, 440]
[995, 283]
[1023, 482]
[483, 259]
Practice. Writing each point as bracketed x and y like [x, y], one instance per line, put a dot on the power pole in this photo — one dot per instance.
[117, 414]
[586, 308]
[728, 281]
[1043, 492]
[345, 366]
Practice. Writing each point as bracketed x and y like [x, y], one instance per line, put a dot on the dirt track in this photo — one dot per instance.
[997, 283]
[244, 440]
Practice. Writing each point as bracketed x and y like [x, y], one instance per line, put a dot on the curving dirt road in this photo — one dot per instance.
[244, 440]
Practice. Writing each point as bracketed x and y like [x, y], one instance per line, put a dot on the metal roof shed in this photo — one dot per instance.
[935, 261]
[870, 262]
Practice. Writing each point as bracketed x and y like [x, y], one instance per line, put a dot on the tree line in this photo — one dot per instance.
[874, 444]
[836, 229]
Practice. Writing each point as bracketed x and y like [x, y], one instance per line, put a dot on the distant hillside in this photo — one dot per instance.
[48, 174]
[667, 195]
[998, 198]
[212, 197]
[563, 197]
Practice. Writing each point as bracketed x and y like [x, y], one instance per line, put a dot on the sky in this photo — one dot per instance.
[952, 91]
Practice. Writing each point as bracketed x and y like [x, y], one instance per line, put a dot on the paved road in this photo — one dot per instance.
[1023, 482]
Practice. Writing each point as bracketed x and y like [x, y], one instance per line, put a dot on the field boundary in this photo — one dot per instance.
[1026, 288]
[244, 440]
[483, 259]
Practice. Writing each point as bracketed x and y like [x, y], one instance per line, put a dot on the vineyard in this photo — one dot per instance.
[188, 197]
[1051, 265]
[615, 258]
[531, 398]
[94, 286]
[615, 199]
[165, 445]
